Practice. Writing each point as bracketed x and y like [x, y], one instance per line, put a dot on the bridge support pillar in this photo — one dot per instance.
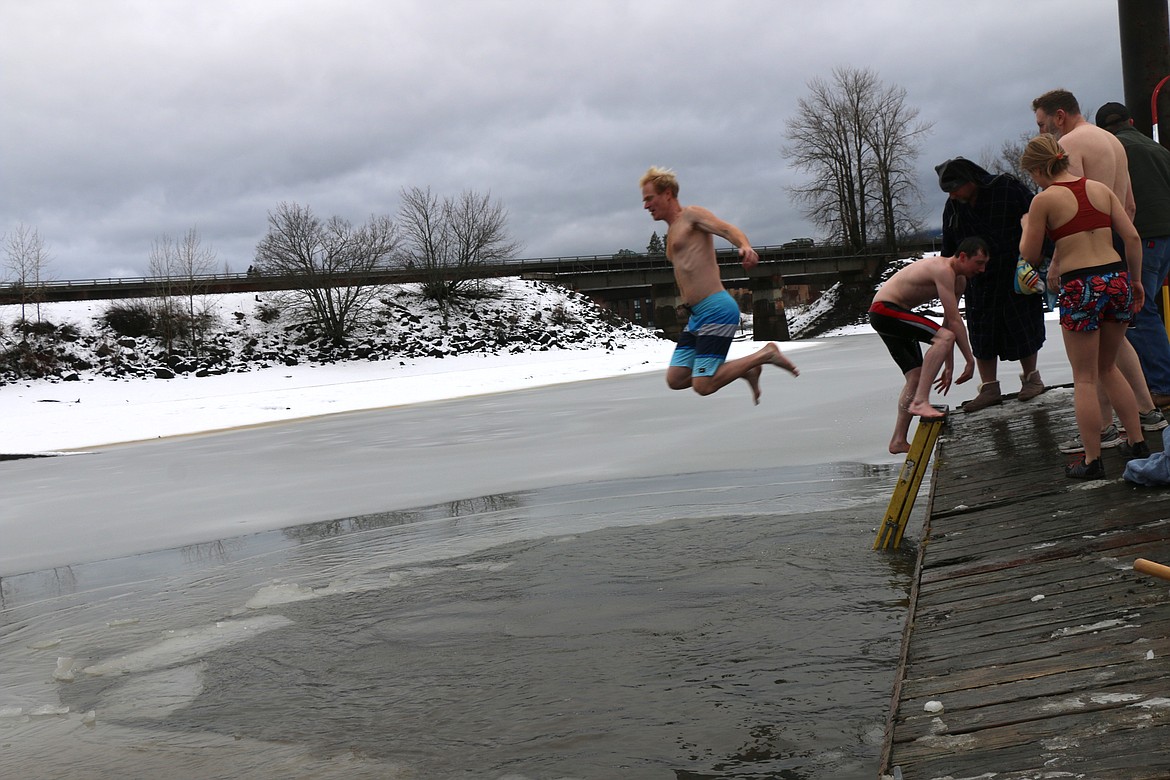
[666, 315]
[769, 322]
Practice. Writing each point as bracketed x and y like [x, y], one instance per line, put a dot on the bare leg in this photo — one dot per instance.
[1082, 349]
[900, 441]
[932, 362]
[746, 368]
[1118, 387]
[678, 377]
[1130, 367]
[752, 375]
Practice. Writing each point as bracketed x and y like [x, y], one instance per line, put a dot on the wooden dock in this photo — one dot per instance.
[1048, 654]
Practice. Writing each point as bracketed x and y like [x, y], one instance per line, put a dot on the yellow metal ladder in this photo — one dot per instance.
[890, 532]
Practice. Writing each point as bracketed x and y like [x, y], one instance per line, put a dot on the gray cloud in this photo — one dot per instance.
[125, 121]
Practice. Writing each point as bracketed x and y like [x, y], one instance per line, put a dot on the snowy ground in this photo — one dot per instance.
[43, 416]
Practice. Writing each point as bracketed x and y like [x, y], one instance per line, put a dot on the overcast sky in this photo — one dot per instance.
[123, 121]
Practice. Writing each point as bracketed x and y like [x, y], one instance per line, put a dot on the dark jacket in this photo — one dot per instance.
[1149, 177]
[1002, 324]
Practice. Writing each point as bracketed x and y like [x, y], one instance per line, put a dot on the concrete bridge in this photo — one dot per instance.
[641, 288]
[638, 287]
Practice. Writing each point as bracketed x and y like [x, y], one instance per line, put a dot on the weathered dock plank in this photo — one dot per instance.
[1048, 654]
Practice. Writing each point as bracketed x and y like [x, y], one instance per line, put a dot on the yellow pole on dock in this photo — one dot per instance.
[1165, 292]
[890, 532]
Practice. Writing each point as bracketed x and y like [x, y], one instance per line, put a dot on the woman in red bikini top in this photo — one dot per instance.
[1078, 214]
[1098, 290]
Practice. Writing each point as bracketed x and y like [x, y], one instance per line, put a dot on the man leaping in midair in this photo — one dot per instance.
[700, 359]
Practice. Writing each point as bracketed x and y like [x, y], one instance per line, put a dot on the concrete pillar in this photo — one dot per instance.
[769, 322]
[763, 318]
[666, 303]
[781, 328]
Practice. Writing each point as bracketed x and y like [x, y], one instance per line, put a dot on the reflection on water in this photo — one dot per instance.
[719, 625]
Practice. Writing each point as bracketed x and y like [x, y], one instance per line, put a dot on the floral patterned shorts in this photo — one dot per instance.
[1090, 296]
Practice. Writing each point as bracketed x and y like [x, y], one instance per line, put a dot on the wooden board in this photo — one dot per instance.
[1048, 652]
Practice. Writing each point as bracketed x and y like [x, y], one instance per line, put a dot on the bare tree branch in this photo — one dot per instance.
[26, 262]
[180, 270]
[858, 140]
[449, 240]
[333, 261]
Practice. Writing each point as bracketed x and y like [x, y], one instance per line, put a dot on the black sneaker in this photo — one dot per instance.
[1132, 451]
[1083, 470]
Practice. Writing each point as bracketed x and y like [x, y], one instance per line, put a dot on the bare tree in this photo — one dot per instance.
[817, 139]
[892, 140]
[1008, 160]
[26, 261]
[858, 139]
[333, 261]
[450, 240]
[181, 271]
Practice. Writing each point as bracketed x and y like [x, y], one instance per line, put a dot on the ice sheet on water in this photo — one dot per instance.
[280, 593]
[188, 645]
[117, 750]
[365, 577]
[65, 671]
[155, 694]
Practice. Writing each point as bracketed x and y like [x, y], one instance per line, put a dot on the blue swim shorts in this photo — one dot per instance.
[703, 344]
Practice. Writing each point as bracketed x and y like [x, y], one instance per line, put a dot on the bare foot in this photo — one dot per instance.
[752, 377]
[925, 411]
[777, 358]
[898, 446]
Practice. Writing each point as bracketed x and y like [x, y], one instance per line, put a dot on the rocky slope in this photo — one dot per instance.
[70, 341]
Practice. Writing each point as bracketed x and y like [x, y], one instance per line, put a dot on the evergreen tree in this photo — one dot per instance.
[656, 245]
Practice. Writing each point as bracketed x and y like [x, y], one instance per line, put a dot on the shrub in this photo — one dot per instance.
[562, 316]
[38, 328]
[24, 360]
[129, 318]
[267, 312]
[170, 325]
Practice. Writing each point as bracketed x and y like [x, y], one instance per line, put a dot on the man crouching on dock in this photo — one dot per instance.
[699, 359]
[942, 278]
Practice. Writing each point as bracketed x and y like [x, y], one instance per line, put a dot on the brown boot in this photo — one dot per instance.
[1031, 385]
[988, 395]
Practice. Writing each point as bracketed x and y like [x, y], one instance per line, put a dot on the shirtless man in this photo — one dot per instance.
[1093, 152]
[1096, 154]
[891, 315]
[700, 359]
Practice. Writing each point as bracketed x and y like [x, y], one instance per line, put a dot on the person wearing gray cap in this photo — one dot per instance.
[1003, 325]
[1149, 174]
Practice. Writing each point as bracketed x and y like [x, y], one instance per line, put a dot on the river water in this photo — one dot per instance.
[719, 622]
[646, 628]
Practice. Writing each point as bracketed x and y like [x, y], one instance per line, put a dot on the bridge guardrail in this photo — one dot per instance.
[56, 289]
